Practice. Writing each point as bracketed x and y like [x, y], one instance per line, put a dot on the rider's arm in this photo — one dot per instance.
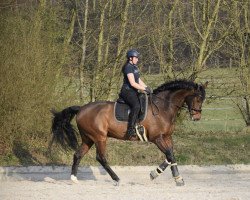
[132, 82]
[142, 83]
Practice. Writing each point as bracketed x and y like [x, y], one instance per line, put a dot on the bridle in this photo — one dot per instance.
[190, 107]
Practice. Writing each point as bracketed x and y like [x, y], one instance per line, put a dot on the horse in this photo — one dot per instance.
[96, 122]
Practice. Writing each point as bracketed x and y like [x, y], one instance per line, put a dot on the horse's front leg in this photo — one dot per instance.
[165, 144]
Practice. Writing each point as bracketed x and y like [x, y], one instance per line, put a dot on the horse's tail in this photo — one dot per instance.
[62, 130]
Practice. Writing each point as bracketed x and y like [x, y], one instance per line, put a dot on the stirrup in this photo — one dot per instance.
[131, 133]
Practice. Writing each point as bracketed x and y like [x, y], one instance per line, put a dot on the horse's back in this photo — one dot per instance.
[95, 111]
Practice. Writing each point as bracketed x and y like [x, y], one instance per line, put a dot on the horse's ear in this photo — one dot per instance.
[205, 85]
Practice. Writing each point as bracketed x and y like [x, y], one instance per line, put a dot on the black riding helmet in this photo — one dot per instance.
[132, 53]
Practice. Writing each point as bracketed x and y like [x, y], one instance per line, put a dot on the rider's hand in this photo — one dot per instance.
[148, 90]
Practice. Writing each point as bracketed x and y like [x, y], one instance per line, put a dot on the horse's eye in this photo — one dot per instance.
[199, 99]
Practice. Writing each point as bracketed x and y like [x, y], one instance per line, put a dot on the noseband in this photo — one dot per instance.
[190, 108]
[196, 110]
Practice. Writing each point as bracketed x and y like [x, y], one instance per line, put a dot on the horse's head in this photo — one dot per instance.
[195, 100]
[187, 92]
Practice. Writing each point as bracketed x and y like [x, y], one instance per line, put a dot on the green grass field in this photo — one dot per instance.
[190, 148]
[218, 115]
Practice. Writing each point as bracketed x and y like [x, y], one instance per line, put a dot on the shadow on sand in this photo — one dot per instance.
[33, 170]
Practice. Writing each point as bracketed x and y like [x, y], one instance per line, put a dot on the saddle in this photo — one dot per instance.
[122, 109]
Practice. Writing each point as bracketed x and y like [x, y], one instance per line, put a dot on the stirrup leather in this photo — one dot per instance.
[141, 132]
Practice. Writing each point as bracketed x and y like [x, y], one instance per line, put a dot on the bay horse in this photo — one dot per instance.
[96, 122]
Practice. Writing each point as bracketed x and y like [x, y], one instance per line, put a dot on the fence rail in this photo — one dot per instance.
[218, 119]
[225, 108]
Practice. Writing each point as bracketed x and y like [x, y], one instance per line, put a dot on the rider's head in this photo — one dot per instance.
[132, 56]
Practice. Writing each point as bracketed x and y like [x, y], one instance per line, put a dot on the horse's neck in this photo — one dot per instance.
[169, 103]
[174, 99]
[178, 97]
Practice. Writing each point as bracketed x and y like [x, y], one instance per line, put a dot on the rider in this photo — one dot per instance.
[129, 91]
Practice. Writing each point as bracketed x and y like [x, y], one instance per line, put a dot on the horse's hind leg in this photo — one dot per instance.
[83, 149]
[100, 157]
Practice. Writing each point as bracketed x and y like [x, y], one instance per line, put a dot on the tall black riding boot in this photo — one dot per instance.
[131, 132]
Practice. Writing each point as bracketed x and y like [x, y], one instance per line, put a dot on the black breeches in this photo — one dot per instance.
[130, 96]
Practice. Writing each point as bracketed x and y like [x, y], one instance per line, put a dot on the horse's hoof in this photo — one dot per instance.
[153, 174]
[74, 179]
[179, 182]
[116, 183]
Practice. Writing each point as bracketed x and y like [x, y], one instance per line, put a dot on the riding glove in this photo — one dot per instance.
[148, 90]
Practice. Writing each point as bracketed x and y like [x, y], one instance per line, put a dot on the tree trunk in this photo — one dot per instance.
[83, 57]
[171, 42]
[120, 46]
[96, 84]
[205, 35]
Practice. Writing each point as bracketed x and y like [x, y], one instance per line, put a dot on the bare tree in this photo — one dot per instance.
[163, 36]
[204, 33]
[96, 84]
[121, 45]
[239, 49]
[84, 45]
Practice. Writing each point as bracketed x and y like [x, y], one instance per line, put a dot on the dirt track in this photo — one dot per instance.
[214, 182]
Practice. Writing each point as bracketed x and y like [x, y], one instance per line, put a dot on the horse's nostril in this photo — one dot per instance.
[196, 117]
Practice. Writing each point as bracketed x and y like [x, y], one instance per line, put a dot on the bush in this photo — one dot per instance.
[29, 68]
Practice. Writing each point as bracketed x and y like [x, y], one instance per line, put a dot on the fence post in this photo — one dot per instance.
[226, 123]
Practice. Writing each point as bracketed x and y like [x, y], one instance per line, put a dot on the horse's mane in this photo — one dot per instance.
[179, 85]
[176, 85]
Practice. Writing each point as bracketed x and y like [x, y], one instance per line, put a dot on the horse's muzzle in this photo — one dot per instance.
[196, 116]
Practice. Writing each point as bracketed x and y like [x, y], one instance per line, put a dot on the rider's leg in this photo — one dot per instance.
[130, 96]
[133, 115]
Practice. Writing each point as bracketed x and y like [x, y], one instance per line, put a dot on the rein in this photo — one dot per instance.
[153, 103]
[183, 106]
